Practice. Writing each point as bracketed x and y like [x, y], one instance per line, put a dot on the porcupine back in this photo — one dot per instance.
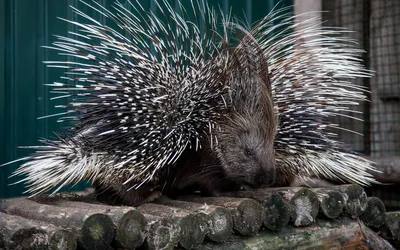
[311, 69]
[142, 92]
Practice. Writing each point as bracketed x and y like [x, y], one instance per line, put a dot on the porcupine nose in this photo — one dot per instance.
[266, 174]
[265, 177]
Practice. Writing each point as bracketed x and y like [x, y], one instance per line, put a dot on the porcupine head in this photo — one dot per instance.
[246, 138]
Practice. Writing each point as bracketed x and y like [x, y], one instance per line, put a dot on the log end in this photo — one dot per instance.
[98, 232]
[63, 240]
[162, 234]
[332, 204]
[277, 212]
[374, 214]
[193, 231]
[248, 217]
[29, 238]
[356, 200]
[131, 229]
[392, 220]
[304, 207]
[220, 224]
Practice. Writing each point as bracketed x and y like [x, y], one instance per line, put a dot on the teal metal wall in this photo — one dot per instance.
[25, 25]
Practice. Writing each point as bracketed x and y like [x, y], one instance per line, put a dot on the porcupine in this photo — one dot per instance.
[147, 100]
[301, 145]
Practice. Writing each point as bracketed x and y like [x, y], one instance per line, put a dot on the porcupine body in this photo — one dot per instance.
[147, 103]
[144, 102]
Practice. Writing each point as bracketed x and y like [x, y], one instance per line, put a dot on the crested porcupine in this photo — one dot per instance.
[168, 103]
[141, 102]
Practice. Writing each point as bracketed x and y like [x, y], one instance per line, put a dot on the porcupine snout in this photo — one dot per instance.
[266, 173]
[262, 171]
[247, 153]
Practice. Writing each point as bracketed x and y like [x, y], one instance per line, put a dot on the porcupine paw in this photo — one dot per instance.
[216, 193]
[152, 196]
[218, 189]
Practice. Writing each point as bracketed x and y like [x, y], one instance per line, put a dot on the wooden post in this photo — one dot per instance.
[19, 233]
[192, 226]
[277, 210]
[130, 223]
[96, 230]
[247, 214]
[355, 198]
[219, 220]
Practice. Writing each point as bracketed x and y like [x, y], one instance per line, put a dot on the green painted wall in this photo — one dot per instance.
[25, 25]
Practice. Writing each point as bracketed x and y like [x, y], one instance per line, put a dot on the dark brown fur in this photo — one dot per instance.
[246, 139]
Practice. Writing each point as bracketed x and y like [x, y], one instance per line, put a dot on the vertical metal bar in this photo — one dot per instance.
[2, 82]
[41, 74]
[226, 7]
[3, 142]
[9, 91]
[153, 6]
[366, 81]
[249, 12]
[270, 5]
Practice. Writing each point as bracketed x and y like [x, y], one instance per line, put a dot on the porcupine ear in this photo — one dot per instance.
[256, 59]
[247, 58]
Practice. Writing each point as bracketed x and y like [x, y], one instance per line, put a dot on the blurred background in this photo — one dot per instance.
[26, 25]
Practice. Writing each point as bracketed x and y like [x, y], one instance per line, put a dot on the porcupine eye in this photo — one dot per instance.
[248, 153]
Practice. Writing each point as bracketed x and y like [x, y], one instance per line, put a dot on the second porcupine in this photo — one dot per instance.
[302, 144]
